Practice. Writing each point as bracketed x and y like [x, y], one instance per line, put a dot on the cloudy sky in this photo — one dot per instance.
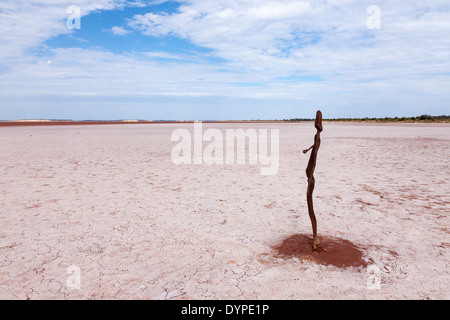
[223, 59]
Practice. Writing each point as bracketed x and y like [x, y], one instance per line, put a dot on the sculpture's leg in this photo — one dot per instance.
[312, 216]
[310, 174]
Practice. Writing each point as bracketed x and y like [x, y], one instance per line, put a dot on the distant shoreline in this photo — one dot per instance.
[14, 123]
[49, 122]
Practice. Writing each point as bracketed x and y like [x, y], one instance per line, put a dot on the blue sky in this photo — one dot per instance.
[211, 59]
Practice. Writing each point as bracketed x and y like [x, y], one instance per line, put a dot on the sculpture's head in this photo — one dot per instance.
[318, 123]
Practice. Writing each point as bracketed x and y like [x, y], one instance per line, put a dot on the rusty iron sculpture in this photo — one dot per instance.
[310, 175]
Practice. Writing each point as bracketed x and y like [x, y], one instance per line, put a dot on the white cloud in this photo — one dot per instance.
[245, 25]
[317, 37]
[119, 31]
[26, 24]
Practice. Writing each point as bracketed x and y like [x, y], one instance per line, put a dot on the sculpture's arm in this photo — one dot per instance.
[306, 150]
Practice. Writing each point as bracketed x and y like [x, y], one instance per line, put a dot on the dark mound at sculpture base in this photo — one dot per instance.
[331, 251]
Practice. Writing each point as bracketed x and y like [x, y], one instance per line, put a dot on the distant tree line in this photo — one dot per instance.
[298, 119]
[422, 118]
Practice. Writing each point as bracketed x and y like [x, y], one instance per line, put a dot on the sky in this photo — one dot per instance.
[223, 60]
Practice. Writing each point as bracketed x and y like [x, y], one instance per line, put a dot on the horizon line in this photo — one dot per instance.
[422, 118]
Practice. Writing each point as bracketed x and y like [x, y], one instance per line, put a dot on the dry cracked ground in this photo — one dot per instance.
[102, 212]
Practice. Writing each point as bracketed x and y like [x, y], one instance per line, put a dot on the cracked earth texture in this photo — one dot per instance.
[109, 200]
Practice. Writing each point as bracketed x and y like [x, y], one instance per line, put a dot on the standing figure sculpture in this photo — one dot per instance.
[310, 175]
